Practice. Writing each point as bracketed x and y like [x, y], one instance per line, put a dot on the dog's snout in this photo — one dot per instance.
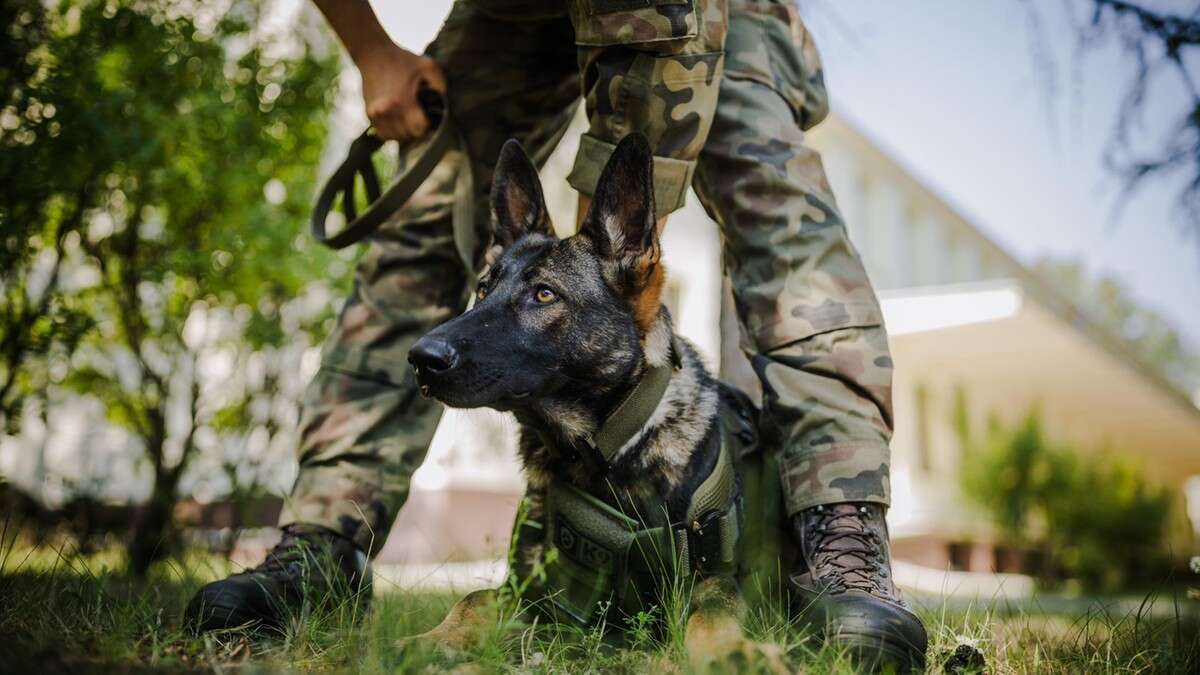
[433, 354]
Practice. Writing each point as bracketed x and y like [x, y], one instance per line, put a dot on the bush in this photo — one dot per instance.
[156, 157]
[1093, 517]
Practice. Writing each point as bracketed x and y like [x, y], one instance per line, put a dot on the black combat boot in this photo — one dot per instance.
[844, 583]
[310, 564]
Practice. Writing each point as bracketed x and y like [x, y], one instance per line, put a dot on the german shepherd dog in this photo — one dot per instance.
[560, 333]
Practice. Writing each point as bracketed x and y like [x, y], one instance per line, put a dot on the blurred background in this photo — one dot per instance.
[1022, 179]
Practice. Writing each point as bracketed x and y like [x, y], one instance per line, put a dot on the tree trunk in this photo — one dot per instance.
[154, 534]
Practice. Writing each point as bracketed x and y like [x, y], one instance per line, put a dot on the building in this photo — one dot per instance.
[963, 315]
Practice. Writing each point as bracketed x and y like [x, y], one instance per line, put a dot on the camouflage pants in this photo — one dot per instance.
[749, 80]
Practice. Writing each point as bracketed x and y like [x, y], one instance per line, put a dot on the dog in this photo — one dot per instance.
[629, 445]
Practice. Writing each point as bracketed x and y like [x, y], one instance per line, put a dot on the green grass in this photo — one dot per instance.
[63, 613]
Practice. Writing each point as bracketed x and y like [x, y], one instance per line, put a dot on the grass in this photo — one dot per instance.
[68, 613]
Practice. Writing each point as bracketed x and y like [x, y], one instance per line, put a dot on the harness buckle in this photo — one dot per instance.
[711, 541]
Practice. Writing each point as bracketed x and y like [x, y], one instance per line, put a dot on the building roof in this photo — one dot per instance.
[1031, 284]
[1009, 346]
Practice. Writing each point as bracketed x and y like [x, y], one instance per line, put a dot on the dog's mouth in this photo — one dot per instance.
[475, 395]
[427, 392]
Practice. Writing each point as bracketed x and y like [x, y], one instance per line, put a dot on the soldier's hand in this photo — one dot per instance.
[391, 77]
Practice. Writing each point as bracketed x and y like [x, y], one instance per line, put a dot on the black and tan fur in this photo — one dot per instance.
[561, 330]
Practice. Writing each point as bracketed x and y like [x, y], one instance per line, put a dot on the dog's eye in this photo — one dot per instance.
[545, 296]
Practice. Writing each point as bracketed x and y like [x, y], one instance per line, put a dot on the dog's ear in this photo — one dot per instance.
[620, 222]
[518, 207]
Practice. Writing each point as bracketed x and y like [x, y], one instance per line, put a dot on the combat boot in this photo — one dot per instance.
[844, 585]
[310, 565]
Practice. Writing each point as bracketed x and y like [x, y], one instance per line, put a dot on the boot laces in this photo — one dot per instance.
[295, 550]
[846, 553]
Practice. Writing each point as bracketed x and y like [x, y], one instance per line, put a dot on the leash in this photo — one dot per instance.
[384, 203]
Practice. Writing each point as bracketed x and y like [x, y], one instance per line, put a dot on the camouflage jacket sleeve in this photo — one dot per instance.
[652, 66]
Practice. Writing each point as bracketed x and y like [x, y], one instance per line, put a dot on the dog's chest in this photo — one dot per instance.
[617, 544]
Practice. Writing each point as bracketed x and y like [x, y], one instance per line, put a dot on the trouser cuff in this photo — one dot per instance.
[849, 471]
[330, 497]
[672, 177]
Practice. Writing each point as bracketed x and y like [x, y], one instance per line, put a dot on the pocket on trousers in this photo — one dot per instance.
[768, 43]
[660, 25]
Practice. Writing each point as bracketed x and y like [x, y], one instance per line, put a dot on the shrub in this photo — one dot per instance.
[1092, 517]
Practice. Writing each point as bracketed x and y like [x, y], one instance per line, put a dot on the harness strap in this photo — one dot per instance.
[607, 554]
[714, 517]
[635, 410]
[591, 532]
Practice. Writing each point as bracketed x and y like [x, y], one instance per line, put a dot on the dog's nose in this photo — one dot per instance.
[434, 355]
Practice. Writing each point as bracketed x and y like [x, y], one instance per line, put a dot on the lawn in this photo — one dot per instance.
[63, 613]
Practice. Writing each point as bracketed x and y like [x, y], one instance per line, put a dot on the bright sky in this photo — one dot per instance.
[951, 91]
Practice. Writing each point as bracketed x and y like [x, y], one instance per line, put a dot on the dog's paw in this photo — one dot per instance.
[416, 645]
[466, 627]
[741, 655]
[447, 643]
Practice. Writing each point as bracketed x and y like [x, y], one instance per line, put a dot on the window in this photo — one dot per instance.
[924, 452]
[959, 553]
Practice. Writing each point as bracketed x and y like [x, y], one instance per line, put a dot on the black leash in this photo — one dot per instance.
[383, 204]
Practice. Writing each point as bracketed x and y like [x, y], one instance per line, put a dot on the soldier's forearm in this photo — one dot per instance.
[356, 26]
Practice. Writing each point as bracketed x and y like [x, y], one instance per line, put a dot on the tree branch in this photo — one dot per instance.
[16, 342]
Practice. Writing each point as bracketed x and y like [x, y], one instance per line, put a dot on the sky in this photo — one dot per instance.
[952, 92]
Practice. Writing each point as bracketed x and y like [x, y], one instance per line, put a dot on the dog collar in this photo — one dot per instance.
[635, 410]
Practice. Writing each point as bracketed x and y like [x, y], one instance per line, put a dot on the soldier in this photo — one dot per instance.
[724, 90]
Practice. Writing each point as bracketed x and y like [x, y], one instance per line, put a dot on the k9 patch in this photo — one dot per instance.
[579, 548]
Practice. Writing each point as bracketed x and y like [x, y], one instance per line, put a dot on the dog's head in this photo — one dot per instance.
[553, 317]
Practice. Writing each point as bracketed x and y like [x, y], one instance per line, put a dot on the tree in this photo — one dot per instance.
[165, 157]
[1148, 334]
[40, 209]
[1069, 506]
[1163, 41]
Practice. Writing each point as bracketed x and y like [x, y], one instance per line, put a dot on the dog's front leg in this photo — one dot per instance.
[481, 613]
[468, 625]
[715, 641]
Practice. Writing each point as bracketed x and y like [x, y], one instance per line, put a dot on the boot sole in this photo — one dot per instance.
[877, 654]
[216, 616]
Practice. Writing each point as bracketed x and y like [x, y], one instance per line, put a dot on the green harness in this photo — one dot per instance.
[606, 558]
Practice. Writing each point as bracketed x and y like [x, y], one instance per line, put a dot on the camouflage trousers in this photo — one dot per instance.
[811, 324]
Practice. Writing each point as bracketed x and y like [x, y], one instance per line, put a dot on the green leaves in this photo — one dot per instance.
[1072, 506]
[156, 167]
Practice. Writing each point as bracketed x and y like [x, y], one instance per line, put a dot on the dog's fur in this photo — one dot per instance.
[560, 331]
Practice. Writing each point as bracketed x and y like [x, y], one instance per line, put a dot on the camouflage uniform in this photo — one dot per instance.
[724, 93]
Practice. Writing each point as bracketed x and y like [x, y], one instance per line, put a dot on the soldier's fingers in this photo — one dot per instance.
[391, 126]
[432, 77]
[382, 114]
[415, 121]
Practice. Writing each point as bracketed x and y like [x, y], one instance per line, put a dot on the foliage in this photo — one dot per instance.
[39, 208]
[1162, 42]
[1108, 302]
[157, 158]
[1095, 517]
[1009, 474]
